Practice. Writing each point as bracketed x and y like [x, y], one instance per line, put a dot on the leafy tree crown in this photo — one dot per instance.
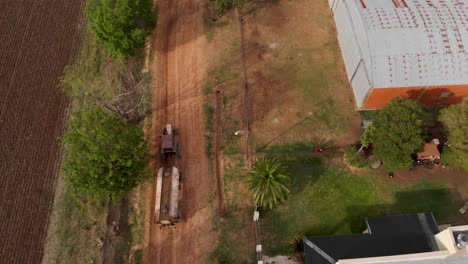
[398, 132]
[105, 157]
[455, 120]
[121, 25]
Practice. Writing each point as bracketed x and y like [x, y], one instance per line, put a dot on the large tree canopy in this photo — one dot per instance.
[398, 132]
[105, 156]
[121, 25]
[455, 120]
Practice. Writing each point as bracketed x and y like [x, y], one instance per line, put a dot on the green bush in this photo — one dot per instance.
[455, 120]
[121, 25]
[222, 6]
[453, 158]
[105, 157]
[209, 117]
[354, 158]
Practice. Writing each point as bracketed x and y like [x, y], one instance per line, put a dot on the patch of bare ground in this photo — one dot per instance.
[297, 83]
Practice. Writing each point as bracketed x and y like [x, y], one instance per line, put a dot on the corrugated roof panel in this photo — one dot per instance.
[411, 42]
[361, 85]
[347, 39]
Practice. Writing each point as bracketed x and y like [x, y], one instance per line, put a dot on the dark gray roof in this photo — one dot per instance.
[389, 235]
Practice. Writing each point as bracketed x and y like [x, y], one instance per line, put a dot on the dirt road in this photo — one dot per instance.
[179, 67]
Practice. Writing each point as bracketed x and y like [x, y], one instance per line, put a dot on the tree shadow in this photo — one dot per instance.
[434, 96]
[177, 24]
[305, 171]
[438, 201]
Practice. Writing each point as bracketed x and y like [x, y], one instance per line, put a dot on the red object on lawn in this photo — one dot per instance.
[318, 150]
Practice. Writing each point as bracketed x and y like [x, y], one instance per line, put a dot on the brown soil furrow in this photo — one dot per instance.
[38, 39]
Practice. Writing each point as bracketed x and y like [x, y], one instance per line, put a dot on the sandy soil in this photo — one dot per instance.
[178, 68]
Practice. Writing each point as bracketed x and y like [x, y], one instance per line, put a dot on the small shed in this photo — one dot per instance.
[430, 151]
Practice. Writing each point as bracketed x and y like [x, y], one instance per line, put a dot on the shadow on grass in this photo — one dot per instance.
[346, 215]
[302, 163]
[296, 150]
[305, 171]
[438, 201]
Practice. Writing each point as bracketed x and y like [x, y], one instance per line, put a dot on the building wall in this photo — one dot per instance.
[354, 46]
[428, 96]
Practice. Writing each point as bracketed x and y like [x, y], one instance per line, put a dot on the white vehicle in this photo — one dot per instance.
[168, 185]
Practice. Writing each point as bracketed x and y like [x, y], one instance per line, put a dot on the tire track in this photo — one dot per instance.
[178, 67]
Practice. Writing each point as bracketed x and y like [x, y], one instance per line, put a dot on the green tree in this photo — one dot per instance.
[105, 156]
[367, 137]
[121, 25]
[455, 120]
[267, 182]
[398, 132]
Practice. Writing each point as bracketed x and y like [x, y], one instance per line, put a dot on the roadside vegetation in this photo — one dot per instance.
[234, 226]
[106, 158]
[99, 213]
[121, 25]
[97, 79]
[81, 229]
[222, 6]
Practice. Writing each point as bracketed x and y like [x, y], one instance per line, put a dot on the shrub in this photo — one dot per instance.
[121, 25]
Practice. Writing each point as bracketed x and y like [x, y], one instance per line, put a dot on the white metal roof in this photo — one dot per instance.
[449, 260]
[414, 42]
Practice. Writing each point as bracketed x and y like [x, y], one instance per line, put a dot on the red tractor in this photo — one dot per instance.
[169, 143]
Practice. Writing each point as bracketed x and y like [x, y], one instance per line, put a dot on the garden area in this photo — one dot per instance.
[326, 198]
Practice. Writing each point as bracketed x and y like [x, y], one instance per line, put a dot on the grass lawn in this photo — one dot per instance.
[327, 199]
[236, 239]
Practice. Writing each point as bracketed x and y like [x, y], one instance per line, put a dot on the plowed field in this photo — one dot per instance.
[37, 39]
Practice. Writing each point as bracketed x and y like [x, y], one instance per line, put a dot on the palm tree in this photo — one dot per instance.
[267, 182]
